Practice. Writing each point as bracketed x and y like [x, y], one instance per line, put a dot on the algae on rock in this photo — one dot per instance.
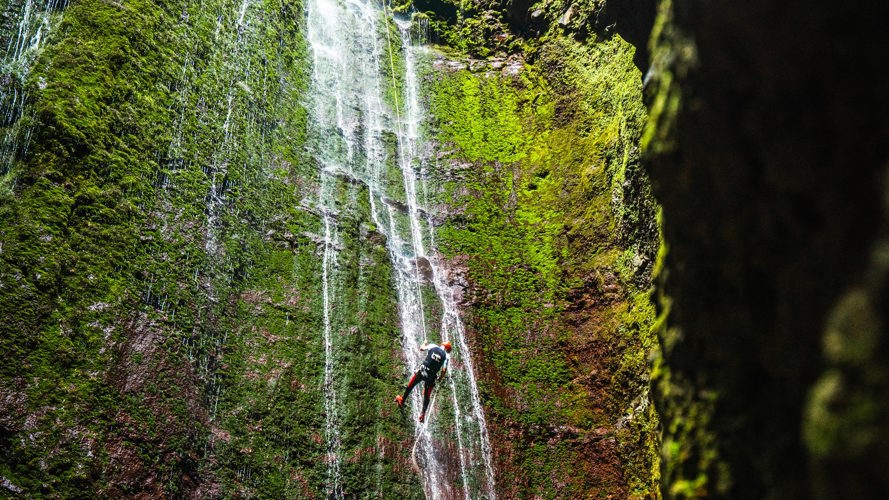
[160, 277]
[158, 256]
[552, 219]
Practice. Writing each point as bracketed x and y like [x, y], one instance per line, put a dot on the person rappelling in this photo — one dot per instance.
[436, 361]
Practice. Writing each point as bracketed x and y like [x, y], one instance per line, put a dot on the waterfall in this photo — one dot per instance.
[333, 146]
[366, 123]
[239, 68]
[471, 430]
[331, 428]
[28, 27]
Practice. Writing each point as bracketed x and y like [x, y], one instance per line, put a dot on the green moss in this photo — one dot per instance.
[170, 346]
[137, 356]
[555, 209]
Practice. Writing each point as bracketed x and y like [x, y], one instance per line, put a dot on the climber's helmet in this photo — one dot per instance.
[447, 346]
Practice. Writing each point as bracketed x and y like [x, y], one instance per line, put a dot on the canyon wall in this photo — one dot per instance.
[164, 256]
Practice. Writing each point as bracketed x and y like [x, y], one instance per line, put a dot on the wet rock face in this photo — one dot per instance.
[632, 20]
[10, 98]
[768, 149]
[550, 229]
[445, 10]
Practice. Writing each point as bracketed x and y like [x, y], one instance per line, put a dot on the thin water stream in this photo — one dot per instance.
[365, 92]
[29, 24]
[471, 429]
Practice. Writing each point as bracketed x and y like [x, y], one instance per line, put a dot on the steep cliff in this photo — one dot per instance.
[553, 224]
[201, 278]
[550, 232]
[161, 288]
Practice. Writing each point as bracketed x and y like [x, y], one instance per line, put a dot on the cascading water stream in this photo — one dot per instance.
[233, 33]
[451, 324]
[34, 22]
[351, 130]
[331, 429]
[329, 111]
[219, 168]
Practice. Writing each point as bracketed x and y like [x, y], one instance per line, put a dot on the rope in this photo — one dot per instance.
[424, 427]
[401, 135]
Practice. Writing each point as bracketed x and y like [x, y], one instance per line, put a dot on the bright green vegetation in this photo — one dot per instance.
[160, 282]
[553, 218]
[160, 267]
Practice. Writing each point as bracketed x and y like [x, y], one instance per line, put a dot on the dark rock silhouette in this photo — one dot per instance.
[769, 157]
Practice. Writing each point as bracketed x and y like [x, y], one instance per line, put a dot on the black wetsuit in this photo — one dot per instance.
[436, 358]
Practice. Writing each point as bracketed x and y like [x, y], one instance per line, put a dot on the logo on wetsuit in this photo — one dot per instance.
[434, 360]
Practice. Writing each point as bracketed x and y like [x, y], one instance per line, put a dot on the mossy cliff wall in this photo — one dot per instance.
[161, 273]
[767, 145]
[551, 220]
[160, 269]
